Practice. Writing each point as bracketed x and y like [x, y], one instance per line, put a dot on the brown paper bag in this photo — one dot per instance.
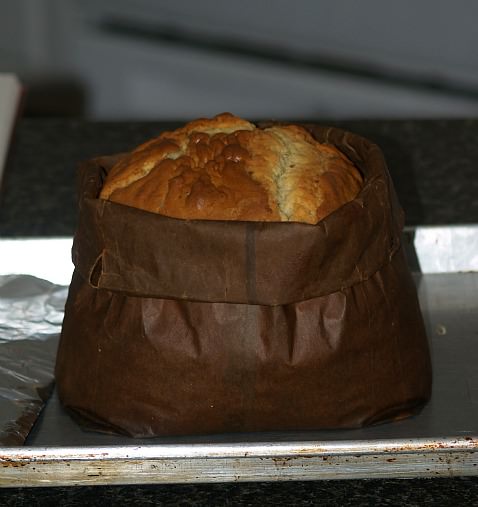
[177, 327]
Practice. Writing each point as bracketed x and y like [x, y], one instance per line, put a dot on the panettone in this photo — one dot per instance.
[202, 303]
[225, 168]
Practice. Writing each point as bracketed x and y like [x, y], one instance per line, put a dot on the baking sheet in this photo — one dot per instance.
[442, 440]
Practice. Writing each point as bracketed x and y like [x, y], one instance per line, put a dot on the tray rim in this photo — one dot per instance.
[262, 449]
[238, 462]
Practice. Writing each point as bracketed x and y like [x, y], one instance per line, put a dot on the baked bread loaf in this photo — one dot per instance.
[226, 168]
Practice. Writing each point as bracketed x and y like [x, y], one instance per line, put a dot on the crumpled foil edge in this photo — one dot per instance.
[31, 315]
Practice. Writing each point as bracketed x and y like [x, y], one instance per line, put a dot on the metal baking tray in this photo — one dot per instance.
[441, 441]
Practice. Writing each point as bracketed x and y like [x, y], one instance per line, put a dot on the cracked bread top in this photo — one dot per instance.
[226, 168]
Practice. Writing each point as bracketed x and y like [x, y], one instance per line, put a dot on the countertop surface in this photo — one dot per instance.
[434, 166]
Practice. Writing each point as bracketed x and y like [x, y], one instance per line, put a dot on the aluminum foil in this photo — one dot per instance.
[445, 249]
[31, 314]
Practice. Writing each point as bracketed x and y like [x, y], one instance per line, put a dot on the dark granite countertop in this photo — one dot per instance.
[434, 166]
[355, 493]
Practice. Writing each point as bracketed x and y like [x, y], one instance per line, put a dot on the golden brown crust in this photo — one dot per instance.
[227, 169]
